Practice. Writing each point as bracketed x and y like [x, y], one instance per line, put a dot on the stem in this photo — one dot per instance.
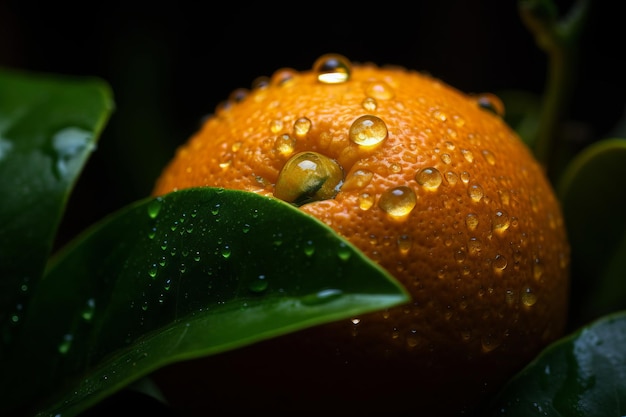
[558, 38]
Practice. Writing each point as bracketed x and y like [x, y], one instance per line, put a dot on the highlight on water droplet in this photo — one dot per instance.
[154, 207]
[322, 296]
[332, 68]
[368, 130]
[430, 178]
[283, 76]
[307, 177]
[491, 102]
[398, 201]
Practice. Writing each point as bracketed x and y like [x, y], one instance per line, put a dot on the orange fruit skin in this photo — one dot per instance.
[484, 254]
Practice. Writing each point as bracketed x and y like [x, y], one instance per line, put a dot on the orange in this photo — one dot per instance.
[427, 181]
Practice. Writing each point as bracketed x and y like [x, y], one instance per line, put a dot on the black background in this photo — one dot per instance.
[170, 64]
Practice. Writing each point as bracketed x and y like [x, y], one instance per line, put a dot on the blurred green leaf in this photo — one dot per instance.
[523, 112]
[188, 274]
[583, 374]
[48, 128]
[594, 200]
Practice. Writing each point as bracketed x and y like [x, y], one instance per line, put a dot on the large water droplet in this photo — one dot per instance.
[501, 221]
[398, 201]
[475, 191]
[307, 177]
[471, 221]
[332, 68]
[368, 130]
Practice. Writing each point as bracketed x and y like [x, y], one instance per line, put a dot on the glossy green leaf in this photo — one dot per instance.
[594, 203]
[48, 128]
[188, 274]
[583, 374]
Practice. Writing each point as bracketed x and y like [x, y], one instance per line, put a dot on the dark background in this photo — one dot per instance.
[170, 65]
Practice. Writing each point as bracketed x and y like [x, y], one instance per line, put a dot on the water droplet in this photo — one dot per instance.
[452, 178]
[489, 157]
[284, 144]
[404, 244]
[259, 284]
[366, 201]
[154, 207]
[238, 95]
[309, 248]
[66, 343]
[70, 144]
[307, 177]
[500, 222]
[474, 246]
[379, 90]
[471, 221]
[476, 193]
[528, 297]
[491, 102]
[429, 178]
[368, 130]
[509, 297]
[357, 179]
[153, 271]
[369, 104]
[276, 126]
[301, 127]
[90, 307]
[226, 251]
[468, 155]
[167, 285]
[537, 269]
[499, 263]
[460, 255]
[343, 252]
[398, 201]
[465, 177]
[283, 76]
[321, 297]
[446, 158]
[332, 68]
[245, 228]
[216, 209]
[489, 343]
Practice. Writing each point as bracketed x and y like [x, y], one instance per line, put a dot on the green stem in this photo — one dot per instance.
[558, 38]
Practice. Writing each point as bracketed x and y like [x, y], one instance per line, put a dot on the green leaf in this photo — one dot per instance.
[523, 111]
[594, 202]
[189, 274]
[583, 374]
[48, 128]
